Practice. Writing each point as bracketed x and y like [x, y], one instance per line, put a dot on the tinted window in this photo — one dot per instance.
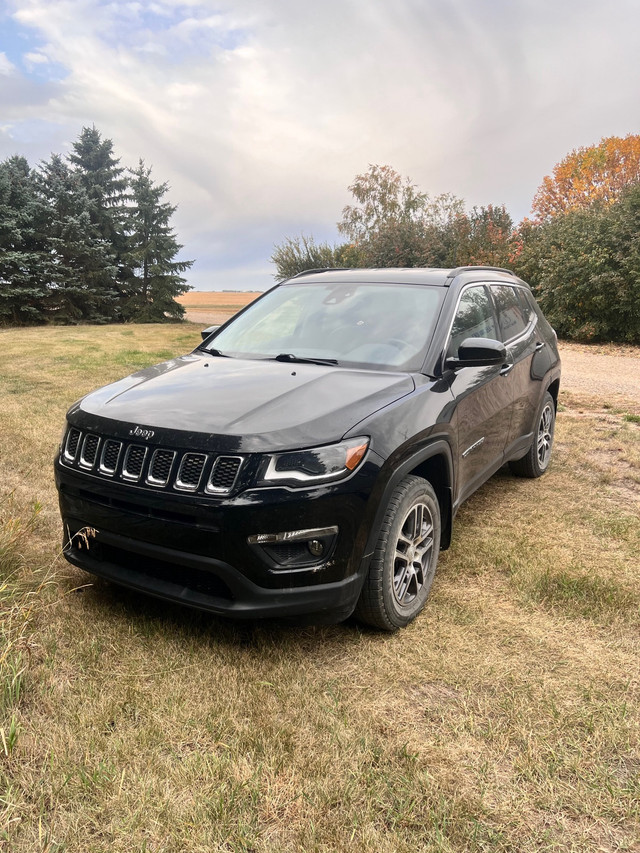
[474, 318]
[510, 314]
[527, 308]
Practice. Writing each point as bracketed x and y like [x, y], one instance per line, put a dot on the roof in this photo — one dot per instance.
[403, 275]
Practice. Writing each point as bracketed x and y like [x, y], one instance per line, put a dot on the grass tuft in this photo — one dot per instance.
[582, 595]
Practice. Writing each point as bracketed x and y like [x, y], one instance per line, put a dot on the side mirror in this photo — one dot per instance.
[208, 331]
[478, 352]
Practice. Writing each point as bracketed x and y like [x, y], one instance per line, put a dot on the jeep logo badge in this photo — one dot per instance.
[138, 432]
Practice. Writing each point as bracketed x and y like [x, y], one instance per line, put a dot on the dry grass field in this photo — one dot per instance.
[213, 306]
[506, 718]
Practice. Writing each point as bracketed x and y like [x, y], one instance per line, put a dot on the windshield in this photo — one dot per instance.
[369, 325]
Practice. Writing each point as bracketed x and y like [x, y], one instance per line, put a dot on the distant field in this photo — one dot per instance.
[213, 306]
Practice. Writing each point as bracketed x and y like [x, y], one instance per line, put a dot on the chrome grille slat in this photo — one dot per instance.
[224, 474]
[134, 461]
[72, 443]
[89, 451]
[160, 467]
[110, 456]
[190, 471]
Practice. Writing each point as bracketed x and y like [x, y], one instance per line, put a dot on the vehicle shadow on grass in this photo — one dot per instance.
[155, 617]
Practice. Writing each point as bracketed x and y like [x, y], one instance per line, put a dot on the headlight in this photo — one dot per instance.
[317, 465]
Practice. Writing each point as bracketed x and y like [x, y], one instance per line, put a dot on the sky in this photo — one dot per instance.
[260, 113]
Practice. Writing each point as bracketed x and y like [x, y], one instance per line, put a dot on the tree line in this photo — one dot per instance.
[580, 250]
[83, 240]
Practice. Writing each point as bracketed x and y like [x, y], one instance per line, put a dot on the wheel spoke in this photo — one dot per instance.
[428, 530]
[401, 581]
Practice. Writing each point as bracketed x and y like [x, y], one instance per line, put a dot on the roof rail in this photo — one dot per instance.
[319, 269]
[458, 270]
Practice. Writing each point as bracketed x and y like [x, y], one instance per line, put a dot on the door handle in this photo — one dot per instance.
[539, 346]
[506, 368]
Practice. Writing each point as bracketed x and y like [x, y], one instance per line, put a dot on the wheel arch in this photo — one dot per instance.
[433, 463]
[554, 390]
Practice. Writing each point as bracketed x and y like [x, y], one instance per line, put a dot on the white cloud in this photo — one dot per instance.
[34, 58]
[6, 66]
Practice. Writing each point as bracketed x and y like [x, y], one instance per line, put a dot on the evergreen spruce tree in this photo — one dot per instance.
[23, 274]
[105, 184]
[81, 262]
[155, 276]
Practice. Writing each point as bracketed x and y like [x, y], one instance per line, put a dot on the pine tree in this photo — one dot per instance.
[23, 280]
[106, 184]
[155, 278]
[81, 263]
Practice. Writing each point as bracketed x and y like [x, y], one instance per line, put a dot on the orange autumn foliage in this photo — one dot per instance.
[598, 173]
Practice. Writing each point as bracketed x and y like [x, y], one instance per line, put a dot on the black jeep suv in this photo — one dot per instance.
[308, 458]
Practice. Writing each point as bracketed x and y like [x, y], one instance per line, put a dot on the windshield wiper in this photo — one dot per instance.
[214, 351]
[299, 359]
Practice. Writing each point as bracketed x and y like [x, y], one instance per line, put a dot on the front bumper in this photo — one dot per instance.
[196, 551]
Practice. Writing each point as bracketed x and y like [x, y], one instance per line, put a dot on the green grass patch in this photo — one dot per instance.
[583, 595]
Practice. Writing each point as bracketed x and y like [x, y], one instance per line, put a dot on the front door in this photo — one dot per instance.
[483, 396]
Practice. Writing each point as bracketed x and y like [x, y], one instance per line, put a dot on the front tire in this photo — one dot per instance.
[404, 562]
[536, 461]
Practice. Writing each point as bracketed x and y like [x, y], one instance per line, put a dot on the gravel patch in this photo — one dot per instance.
[602, 370]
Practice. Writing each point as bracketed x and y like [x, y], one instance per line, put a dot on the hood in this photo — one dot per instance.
[236, 404]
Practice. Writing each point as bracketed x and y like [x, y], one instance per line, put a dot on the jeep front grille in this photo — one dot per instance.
[160, 467]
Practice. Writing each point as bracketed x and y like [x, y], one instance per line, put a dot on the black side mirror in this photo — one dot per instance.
[478, 352]
[208, 331]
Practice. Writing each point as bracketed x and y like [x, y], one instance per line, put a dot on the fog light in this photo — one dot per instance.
[316, 548]
[293, 550]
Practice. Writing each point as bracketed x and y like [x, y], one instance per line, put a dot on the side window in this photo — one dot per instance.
[474, 318]
[510, 313]
[527, 308]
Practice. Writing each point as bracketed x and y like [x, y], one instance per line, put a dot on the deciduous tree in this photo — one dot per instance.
[599, 173]
[589, 281]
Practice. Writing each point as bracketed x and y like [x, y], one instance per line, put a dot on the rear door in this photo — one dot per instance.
[517, 330]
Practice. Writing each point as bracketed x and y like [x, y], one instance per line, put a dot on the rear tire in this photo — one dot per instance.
[404, 562]
[536, 461]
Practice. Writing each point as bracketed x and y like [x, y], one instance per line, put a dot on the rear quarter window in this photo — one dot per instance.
[511, 316]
